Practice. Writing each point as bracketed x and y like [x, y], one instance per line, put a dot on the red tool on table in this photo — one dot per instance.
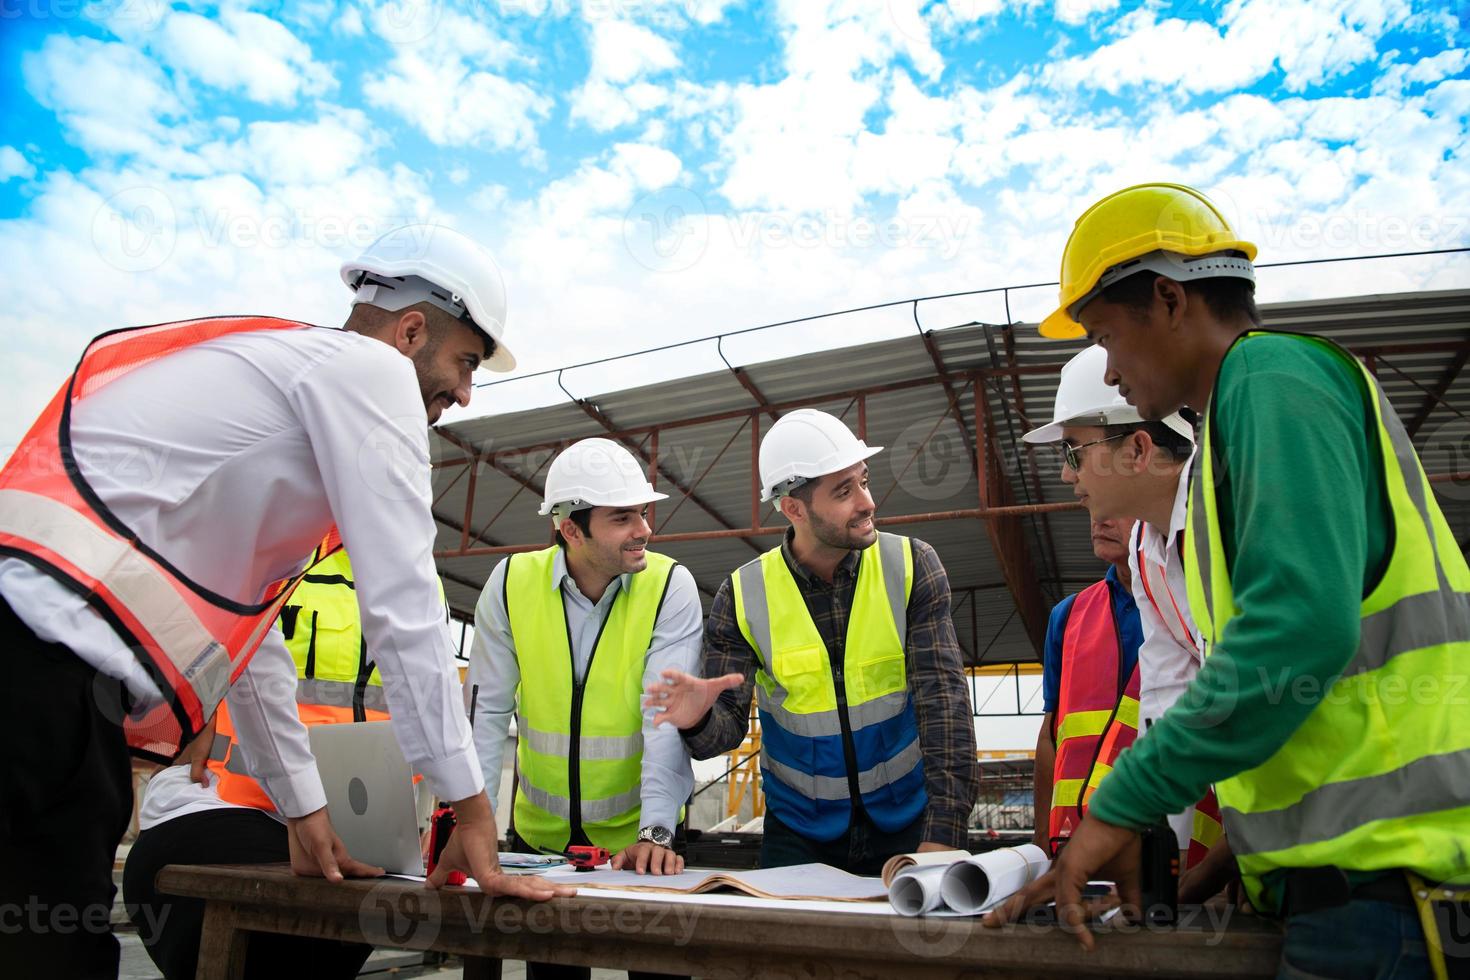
[585, 858]
[441, 825]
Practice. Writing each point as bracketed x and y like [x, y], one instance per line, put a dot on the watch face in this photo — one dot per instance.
[662, 836]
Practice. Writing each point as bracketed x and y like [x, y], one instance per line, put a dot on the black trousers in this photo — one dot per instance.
[66, 795]
[170, 926]
[558, 971]
[862, 849]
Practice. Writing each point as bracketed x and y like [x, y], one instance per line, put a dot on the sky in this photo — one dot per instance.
[648, 171]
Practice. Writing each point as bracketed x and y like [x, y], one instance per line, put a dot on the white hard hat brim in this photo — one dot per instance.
[1052, 431]
[630, 500]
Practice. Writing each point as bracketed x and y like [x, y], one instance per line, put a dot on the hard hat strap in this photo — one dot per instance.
[1180, 268]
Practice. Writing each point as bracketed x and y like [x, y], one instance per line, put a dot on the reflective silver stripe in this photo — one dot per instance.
[1425, 619]
[611, 748]
[339, 694]
[593, 811]
[835, 787]
[219, 748]
[236, 763]
[753, 603]
[817, 724]
[1413, 623]
[890, 557]
[558, 806]
[600, 748]
[1426, 785]
[543, 743]
[603, 810]
[147, 593]
[820, 724]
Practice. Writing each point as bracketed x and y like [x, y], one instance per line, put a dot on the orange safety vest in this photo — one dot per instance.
[232, 779]
[193, 642]
[1097, 707]
[1207, 827]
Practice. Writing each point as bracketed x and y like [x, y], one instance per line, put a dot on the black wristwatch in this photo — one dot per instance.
[662, 836]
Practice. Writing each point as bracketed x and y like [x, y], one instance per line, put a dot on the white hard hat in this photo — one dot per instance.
[435, 264]
[596, 473]
[804, 445]
[1084, 398]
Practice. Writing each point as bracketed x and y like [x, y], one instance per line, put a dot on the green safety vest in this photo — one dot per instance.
[580, 758]
[1377, 777]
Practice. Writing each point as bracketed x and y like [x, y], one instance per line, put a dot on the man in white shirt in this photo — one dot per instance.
[566, 639]
[1138, 470]
[223, 461]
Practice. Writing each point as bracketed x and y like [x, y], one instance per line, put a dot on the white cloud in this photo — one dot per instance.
[1310, 42]
[111, 98]
[14, 164]
[622, 53]
[349, 22]
[1079, 11]
[243, 52]
[434, 87]
[306, 152]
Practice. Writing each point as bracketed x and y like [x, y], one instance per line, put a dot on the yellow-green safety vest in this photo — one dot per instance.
[1377, 777]
[808, 710]
[580, 746]
[324, 634]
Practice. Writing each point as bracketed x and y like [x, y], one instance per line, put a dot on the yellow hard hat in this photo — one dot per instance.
[1167, 228]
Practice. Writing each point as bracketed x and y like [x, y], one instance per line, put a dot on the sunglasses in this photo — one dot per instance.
[1072, 455]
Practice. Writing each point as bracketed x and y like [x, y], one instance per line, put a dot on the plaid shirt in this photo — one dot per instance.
[933, 663]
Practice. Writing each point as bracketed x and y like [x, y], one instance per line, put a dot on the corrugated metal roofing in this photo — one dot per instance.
[1427, 335]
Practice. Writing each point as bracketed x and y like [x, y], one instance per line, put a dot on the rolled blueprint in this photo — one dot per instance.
[973, 886]
[915, 890]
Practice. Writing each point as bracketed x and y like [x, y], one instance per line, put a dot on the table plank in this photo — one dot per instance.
[712, 941]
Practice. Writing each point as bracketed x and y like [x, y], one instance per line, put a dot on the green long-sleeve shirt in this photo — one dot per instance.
[1305, 523]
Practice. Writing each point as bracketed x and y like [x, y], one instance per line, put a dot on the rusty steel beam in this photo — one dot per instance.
[1020, 402]
[699, 479]
[454, 525]
[971, 513]
[1008, 536]
[682, 423]
[760, 399]
[1441, 388]
[949, 392]
[598, 416]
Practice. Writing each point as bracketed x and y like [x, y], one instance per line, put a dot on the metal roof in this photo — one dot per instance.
[1416, 343]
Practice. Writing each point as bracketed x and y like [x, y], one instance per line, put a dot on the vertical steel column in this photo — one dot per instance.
[469, 504]
[652, 473]
[755, 470]
[863, 417]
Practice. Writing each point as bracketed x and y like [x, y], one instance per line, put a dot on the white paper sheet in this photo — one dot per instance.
[803, 881]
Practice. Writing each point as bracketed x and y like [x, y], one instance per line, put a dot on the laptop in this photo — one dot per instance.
[370, 794]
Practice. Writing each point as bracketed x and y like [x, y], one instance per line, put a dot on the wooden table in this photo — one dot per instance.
[702, 940]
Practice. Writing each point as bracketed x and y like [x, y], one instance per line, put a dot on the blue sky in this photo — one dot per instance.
[653, 170]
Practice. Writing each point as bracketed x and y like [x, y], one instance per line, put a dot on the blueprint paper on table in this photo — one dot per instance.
[809, 882]
[968, 887]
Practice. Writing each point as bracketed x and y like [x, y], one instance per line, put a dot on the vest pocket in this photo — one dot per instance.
[805, 674]
[880, 677]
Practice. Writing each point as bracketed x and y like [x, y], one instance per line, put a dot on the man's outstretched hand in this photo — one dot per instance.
[682, 699]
